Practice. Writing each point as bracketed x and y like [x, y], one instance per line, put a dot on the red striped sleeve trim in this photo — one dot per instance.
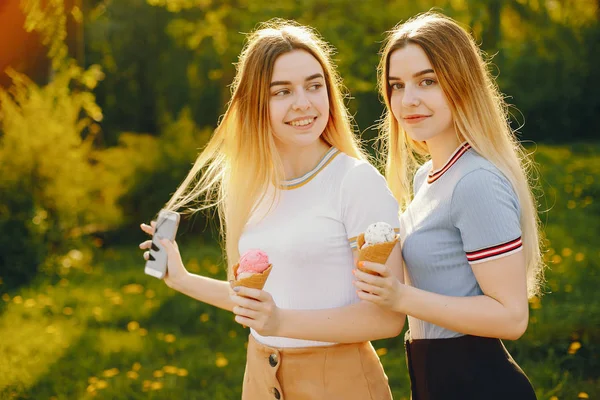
[435, 175]
[494, 251]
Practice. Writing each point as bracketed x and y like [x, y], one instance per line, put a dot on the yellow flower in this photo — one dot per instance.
[566, 252]
[133, 326]
[92, 379]
[574, 347]
[583, 395]
[579, 257]
[221, 360]
[204, 317]
[6, 297]
[553, 398]
[182, 372]
[133, 288]
[29, 303]
[101, 384]
[571, 204]
[156, 385]
[232, 334]
[158, 374]
[18, 300]
[169, 369]
[91, 389]
[169, 338]
[150, 293]
[132, 375]
[382, 352]
[109, 373]
[143, 332]
[136, 366]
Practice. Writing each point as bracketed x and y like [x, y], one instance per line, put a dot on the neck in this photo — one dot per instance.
[441, 148]
[300, 160]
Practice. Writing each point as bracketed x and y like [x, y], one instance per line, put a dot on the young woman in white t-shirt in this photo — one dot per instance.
[286, 173]
[469, 224]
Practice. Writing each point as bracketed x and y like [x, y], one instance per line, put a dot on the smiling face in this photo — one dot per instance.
[299, 104]
[417, 99]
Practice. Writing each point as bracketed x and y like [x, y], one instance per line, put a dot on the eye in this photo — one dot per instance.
[396, 86]
[315, 86]
[427, 82]
[281, 92]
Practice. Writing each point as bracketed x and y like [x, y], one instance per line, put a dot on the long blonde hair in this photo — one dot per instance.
[240, 161]
[480, 117]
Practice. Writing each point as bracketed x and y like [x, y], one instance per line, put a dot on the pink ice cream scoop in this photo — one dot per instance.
[252, 262]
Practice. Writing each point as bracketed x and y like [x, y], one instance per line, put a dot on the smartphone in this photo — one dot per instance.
[166, 228]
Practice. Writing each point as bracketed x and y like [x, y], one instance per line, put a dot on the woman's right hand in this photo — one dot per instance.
[175, 268]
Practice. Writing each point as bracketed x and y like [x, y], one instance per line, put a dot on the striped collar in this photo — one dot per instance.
[435, 175]
[304, 179]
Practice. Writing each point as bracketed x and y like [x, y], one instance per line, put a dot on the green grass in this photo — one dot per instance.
[104, 330]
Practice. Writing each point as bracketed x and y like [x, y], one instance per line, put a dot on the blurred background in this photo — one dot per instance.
[104, 105]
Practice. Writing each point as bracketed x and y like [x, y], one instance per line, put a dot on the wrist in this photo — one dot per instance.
[399, 305]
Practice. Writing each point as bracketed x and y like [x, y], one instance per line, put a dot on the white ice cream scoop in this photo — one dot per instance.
[379, 232]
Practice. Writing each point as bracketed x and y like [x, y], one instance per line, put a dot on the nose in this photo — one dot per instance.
[301, 101]
[410, 97]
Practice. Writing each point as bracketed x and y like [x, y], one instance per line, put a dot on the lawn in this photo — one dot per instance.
[102, 329]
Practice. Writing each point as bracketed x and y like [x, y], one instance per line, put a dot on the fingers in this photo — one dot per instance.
[146, 244]
[244, 312]
[368, 288]
[245, 321]
[246, 302]
[148, 229]
[368, 278]
[374, 267]
[146, 255]
[250, 292]
[369, 297]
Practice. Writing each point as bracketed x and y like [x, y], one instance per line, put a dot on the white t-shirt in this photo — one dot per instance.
[310, 232]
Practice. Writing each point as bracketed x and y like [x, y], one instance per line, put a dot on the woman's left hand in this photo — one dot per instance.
[382, 289]
[257, 310]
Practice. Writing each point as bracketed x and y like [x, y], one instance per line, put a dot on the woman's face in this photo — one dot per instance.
[299, 103]
[417, 99]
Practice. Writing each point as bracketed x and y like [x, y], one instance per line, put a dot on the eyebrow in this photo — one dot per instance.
[308, 78]
[424, 72]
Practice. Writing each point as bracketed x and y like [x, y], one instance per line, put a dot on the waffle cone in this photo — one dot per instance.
[377, 253]
[256, 281]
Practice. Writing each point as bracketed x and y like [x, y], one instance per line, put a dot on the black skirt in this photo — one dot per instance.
[466, 368]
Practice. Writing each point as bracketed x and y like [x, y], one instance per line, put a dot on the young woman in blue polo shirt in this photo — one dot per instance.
[470, 232]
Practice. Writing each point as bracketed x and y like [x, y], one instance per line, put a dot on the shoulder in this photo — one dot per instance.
[352, 170]
[476, 173]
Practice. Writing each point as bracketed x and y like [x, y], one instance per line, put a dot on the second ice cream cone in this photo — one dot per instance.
[377, 253]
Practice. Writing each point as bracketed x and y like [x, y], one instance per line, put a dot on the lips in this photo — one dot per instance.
[415, 118]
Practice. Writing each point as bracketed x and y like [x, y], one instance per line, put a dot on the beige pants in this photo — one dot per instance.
[338, 372]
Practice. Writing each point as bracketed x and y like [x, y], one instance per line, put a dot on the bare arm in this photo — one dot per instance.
[349, 324]
[501, 312]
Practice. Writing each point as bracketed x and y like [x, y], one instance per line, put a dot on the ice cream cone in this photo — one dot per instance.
[377, 253]
[256, 281]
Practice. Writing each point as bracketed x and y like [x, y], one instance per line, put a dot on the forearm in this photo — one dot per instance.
[473, 315]
[207, 290]
[355, 323]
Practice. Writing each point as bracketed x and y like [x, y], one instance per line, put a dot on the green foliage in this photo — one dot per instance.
[148, 169]
[105, 330]
[51, 194]
[164, 55]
